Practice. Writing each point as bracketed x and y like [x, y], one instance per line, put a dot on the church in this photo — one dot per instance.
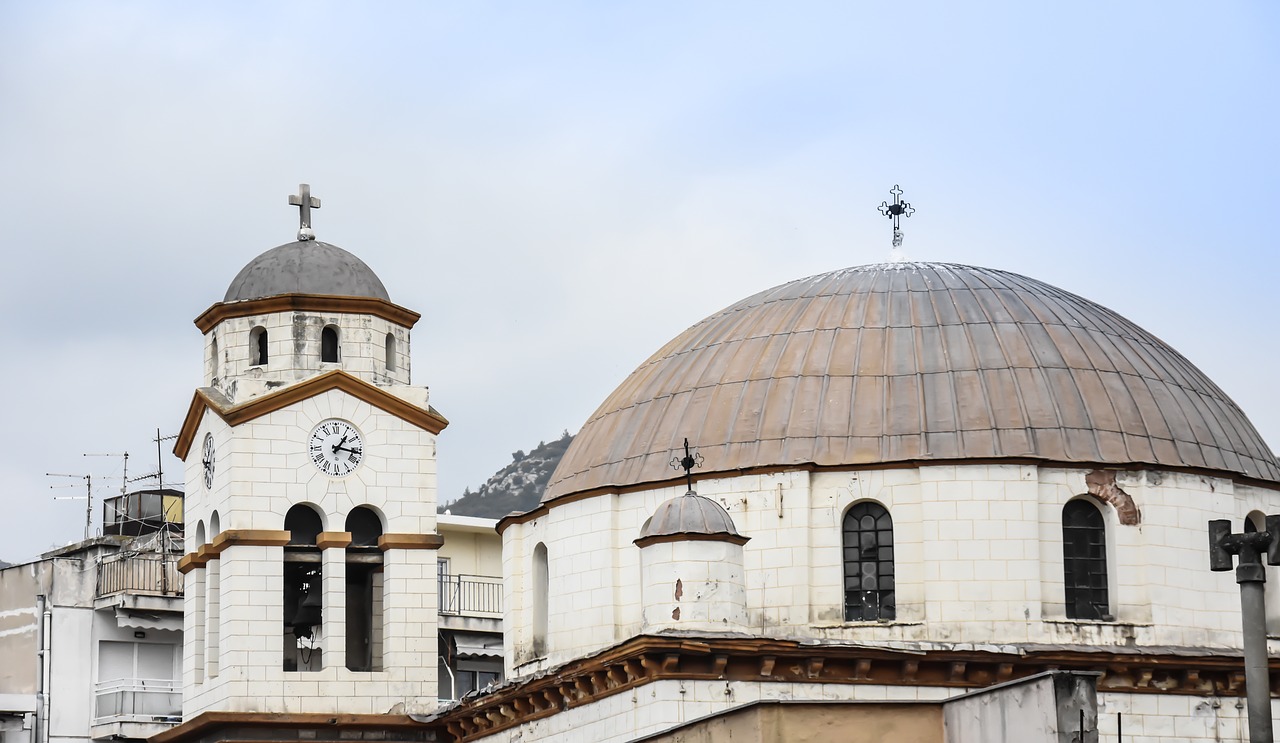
[864, 503]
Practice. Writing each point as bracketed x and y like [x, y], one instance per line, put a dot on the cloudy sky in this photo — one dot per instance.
[559, 188]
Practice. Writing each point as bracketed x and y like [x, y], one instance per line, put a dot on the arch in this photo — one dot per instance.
[258, 346]
[200, 539]
[541, 595]
[1084, 560]
[391, 352]
[365, 525]
[213, 356]
[329, 344]
[215, 528]
[213, 605]
[869, 580]
[304, 525]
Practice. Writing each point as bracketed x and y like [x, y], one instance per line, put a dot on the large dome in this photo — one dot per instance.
[306, 267]
[912, 362]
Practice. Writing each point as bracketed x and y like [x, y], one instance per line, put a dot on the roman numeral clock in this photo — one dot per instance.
[335, 446]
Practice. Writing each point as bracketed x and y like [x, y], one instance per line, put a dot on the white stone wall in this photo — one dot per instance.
[693, 585]
[1160, 718]
[293, 350]
[978, 559]
[263, 469]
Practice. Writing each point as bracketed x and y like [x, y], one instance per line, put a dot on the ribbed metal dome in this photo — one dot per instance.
[689, 515]
[912, 362]
[306, 267]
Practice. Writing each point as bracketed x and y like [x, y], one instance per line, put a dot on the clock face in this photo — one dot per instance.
[336, 447]
[207, 460]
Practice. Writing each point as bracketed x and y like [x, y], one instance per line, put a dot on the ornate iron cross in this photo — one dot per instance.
[305, 203]
[895, 211]
[687, 463]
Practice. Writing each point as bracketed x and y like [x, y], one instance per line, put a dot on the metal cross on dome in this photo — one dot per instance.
[895, 211]
[305, 203]
[687, 463]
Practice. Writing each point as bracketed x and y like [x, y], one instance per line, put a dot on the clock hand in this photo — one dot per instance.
[337, 449]
[338, 445]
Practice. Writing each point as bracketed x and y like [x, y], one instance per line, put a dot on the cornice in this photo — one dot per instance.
[427, 419]
[334, 539]
[410, 542]
[209, 722]
[649, 658]
[248, 538]
[306, 303]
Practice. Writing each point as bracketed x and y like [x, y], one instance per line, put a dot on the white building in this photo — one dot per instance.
[91, 634]
[916, 480]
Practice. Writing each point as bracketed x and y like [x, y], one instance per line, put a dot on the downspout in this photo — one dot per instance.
[40, 665]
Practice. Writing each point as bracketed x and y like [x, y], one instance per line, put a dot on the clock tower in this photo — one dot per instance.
[311, 495]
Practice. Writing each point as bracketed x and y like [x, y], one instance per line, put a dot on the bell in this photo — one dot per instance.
[308, 615]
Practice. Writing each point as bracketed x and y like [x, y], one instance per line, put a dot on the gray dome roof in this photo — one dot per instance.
[306, 267]
[689, 514]
[912, 362]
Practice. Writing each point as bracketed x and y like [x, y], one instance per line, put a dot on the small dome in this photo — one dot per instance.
[910, 363]
[306, 267]
[689, 514]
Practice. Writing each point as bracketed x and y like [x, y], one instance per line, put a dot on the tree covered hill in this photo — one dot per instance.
[516, 487]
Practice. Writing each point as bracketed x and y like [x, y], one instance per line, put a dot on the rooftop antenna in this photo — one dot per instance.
[896, 211]
[305, 203]
[124, 474]
[687, 463]
[87, 497]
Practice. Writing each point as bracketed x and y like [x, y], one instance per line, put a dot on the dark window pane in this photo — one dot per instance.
[868, 563]
[1084, 561]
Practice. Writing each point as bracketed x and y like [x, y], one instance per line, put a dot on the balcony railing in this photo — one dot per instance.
[471, 595]
[137, 700]
[153, 574]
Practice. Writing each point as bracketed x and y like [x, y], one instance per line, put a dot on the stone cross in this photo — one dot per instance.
[687, 463]
[895, 211]
[305, 203]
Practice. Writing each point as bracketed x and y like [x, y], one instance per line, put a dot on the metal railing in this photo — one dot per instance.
[470, 595]
[149, 573]
[137, 700]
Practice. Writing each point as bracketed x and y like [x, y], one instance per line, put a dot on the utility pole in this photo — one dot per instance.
[88, 498]
[1252, 577]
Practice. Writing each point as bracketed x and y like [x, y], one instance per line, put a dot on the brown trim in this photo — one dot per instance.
[327, 539]
[692, 537]
[648, 658]
[306, 303]
[544, 507]
[410, 542]
[207, 722]
[427, 419]
[191, 561]
[248, 538]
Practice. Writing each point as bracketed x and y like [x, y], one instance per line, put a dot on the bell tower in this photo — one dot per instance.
[311, 483]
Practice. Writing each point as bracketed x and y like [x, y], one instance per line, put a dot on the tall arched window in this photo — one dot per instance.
[868, 564]
[1084, 561]
[391, 352]
[329, 344]
[364, 591]
[541, 594]
[213, 605]
[258, 346]
[303, 590]
[213, 357]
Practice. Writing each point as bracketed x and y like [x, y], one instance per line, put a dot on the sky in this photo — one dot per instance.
[560, 188]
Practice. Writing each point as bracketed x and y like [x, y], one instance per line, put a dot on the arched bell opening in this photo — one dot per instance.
[303, 597]
[364, 590]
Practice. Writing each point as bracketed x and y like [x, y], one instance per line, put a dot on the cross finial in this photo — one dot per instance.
[895, 211]
[305, 203]
[687, 463]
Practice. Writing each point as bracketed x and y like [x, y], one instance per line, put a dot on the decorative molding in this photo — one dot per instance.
[427, 419]
[692, 537]
[307, 303]
[410, 542]
[648, 658]
[336, 539]
[330, 726]
[248, 538]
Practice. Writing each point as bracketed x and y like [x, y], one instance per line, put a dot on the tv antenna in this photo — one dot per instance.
[87, 497]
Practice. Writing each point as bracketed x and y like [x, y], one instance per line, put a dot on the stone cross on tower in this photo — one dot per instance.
[895, 211]
[687, 463]
[305, 203]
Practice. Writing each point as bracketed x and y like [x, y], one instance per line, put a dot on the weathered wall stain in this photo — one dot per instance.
[1102, 485]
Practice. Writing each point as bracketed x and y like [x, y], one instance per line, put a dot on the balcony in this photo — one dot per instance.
[135, 708]
[471, 595]
[147, 574]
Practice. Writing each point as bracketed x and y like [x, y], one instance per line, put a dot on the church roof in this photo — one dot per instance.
[689, 515]
[912, 362]
[306, 267]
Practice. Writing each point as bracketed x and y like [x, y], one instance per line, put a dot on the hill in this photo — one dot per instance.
[516, 487]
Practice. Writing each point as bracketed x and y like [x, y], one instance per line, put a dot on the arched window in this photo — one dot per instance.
[391, 352]
[303, 590]
[1084, 561]
[364, 590]
[329, 344]
[213, 605]
[213, 357]
[868, 564]
[541, 594]
[258, 346]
